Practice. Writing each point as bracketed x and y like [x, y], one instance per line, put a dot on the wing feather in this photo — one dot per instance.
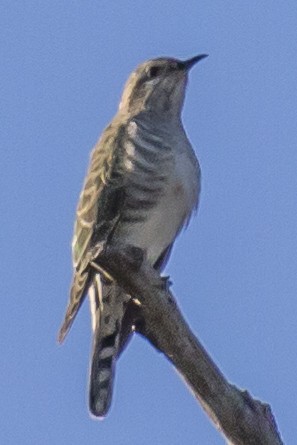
[98, 211]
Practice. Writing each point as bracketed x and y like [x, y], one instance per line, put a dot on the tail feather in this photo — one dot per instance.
[107, 308]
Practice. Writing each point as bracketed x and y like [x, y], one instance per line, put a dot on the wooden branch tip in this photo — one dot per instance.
[242, 419]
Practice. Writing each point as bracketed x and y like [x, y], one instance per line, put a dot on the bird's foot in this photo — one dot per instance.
[166, 283]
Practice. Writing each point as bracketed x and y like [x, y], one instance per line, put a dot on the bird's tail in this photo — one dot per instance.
[107, 308]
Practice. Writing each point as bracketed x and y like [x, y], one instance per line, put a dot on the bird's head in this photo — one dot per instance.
[157, 86]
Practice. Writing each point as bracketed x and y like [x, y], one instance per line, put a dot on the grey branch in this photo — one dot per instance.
[240, 418]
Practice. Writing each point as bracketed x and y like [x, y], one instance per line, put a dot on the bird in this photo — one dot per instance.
[141, 188]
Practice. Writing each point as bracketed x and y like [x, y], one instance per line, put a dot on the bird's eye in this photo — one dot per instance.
[153, 72]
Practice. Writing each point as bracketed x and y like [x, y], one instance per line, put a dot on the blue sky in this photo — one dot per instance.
[63, 66]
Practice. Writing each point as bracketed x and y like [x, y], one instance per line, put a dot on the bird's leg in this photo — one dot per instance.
[133, 256]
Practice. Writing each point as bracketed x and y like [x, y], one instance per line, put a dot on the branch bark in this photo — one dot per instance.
[240, 418]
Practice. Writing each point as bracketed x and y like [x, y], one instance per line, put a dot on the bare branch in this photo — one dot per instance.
[242, 419]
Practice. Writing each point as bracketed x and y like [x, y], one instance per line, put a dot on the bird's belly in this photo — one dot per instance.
[162, 223]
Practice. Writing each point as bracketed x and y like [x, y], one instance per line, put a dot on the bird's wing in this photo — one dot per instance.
[98, 211]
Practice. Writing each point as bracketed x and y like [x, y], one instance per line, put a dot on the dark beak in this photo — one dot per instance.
[188, 64]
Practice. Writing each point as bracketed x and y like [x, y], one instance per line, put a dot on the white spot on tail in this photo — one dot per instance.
[107, 352]
[104, 375]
